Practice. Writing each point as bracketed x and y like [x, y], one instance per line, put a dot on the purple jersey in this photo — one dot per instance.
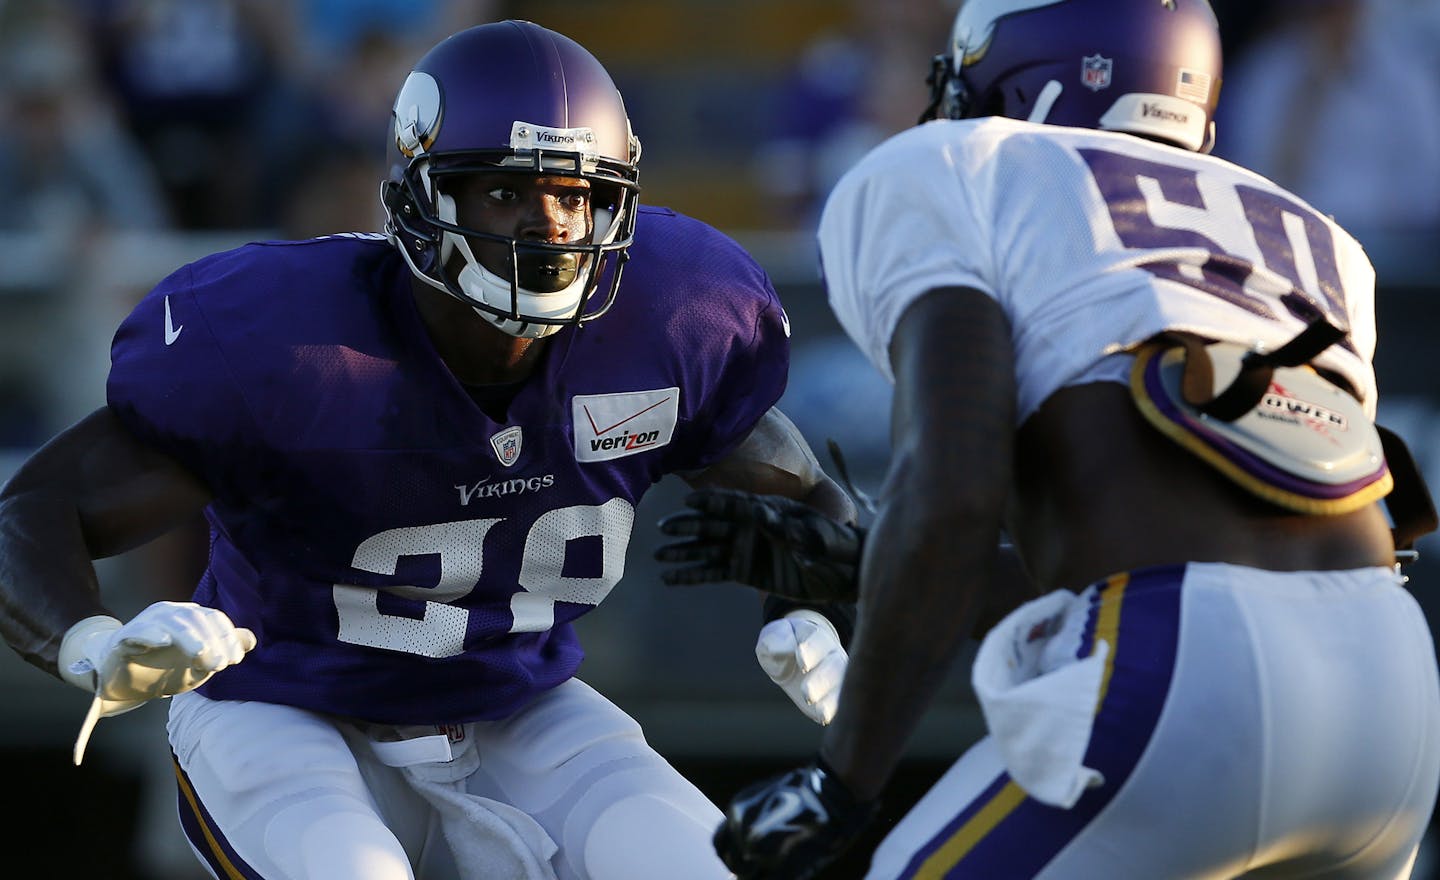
[401, 557]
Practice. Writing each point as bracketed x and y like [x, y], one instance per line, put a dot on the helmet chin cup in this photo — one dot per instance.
[490, 296]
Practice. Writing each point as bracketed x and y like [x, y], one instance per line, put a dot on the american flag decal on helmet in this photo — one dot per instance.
[1193, 86]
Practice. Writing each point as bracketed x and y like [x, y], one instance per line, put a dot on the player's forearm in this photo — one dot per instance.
[47, 582]
[775, 459]
[923, 576]
[826, 496]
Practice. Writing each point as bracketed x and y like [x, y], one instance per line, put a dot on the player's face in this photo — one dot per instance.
[529, 208]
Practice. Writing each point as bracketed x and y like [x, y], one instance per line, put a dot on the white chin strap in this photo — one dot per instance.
[484, 286]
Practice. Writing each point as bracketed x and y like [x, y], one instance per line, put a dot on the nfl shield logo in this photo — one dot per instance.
[1095, 72]
[507, 445]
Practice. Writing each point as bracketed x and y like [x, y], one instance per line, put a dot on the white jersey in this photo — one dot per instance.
[1090, 241]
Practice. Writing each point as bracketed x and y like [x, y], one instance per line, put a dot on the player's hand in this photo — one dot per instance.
[767, 541]
[791, 826]
[801, 652]
[168, 648]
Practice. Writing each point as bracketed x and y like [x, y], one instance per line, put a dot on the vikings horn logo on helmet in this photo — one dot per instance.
[417, 114]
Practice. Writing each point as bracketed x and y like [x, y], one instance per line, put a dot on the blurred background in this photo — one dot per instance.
[141, 134]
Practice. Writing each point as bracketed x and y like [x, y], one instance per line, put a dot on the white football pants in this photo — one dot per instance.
[567, 788]
[1248, 724]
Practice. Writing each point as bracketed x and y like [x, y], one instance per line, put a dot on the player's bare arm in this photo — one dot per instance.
[775, 459]
[801, 548]
[931, 553]
[92, 491]
[768, 516]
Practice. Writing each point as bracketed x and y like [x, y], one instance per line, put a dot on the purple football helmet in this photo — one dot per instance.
[1148, 67]
[511, 97]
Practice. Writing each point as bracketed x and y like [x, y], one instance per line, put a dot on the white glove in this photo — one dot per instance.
[167, 649]
[802, 653]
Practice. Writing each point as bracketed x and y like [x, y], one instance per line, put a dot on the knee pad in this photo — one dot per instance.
[652, 836]
[328, 838]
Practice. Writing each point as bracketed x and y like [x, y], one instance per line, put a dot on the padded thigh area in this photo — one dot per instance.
[583, 769]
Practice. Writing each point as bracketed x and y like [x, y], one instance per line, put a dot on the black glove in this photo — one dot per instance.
[767, 541]
[791, 826]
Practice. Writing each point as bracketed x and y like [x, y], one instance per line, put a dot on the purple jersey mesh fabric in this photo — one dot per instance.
[371, 524]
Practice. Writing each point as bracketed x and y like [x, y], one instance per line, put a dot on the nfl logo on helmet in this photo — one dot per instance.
[1095, 72]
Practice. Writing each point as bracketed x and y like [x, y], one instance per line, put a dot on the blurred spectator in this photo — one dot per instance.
[848, 91]
[70, 176]
[67, 166]
[338, 114]
[198, 81]
[1339, 101]
[340, 192]
[346, 62]
[334, 29]
[230, 96]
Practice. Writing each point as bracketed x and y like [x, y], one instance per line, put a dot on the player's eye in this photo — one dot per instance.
[502, 194]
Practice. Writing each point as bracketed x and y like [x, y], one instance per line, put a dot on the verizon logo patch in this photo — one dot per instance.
[615, 425]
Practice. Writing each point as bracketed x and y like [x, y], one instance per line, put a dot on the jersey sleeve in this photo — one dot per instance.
[754, 378]
[903, 222]
[170, 385]
[738, 356]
